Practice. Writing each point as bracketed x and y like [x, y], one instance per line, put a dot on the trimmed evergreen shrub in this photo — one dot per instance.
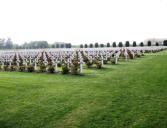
[108, 44]
[141, 44]
[134, 43]
[157, 44]
[96, 45]
[149, 43]
[120, 44]
[127, 44]
[91, 45]
[86, 46]
[165, 43]
[114, 44]
[101, 45]
[81, 46]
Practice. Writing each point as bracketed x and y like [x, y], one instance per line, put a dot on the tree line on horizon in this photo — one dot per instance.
[8, 44]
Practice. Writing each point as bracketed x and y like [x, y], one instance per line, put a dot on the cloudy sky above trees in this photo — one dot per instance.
[82, 21]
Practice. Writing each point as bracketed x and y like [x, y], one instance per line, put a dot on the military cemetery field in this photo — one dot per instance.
[130, 94]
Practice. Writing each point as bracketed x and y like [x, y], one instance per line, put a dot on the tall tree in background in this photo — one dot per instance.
[114, 44]
[134, 43]
[96, 45]
[70, 45]
[9, 44]
[57, 45]
[62, 45]
[108, 44]
[66, 45]
[53, 46]
[127, 44]
[120, 44]
[6, 44]
[36, 44]
[25, 45]
[149, 43]
[2, 43]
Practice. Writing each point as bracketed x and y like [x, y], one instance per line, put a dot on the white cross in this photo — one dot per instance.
[45, 62]
[133, 54]
[91, 59]
[30, 59]
[56, 62]
[116, 58]
[102, 60]
[81, 62]
[126, 55]
[10, 62]
[18, 61]
[68, 62]
[36, 61]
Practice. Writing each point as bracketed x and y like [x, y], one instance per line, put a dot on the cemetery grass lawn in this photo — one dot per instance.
[131, 94]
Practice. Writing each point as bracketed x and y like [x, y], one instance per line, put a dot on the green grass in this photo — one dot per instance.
[131, 94]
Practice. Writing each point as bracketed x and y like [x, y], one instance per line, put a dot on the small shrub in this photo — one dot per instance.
[105, 61]
[130, 55]
[5, 67]
[12, 68]
[98, 65]
[112, 61]
[22, 68]
[51, 69]
[30, 68]
[42, 68]
[89, 64]
[50, 63]
[75, 62]
[59, 64]
[65, 69]
[108, 59]
[74, 70]
[137, 55]
[74, 67]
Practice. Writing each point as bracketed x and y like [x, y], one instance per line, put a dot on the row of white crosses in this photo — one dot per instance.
[67, 55]
[81, 62]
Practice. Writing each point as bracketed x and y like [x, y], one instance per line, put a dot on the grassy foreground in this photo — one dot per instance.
[131, 94]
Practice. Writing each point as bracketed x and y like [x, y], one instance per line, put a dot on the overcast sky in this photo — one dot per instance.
[82, 21]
